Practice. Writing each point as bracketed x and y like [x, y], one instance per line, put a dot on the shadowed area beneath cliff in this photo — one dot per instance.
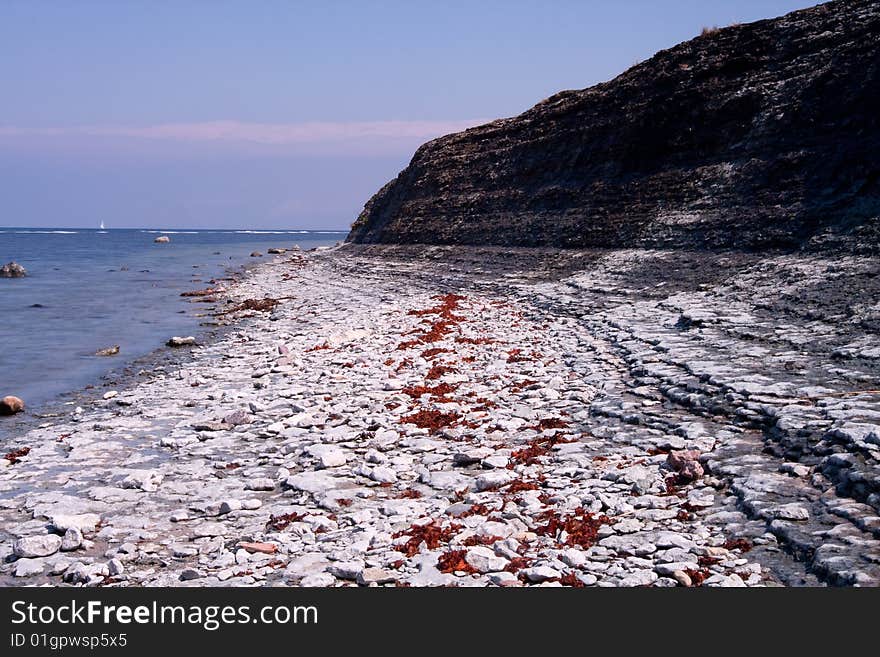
[758, 136]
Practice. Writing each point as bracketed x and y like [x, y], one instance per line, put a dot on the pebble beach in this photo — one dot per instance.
[393, 416]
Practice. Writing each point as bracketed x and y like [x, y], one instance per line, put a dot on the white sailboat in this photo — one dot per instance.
[101, 229]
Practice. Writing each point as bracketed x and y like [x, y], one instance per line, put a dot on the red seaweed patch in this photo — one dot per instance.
[281, 522]
[431, 534]
[581, 527]
[454, 560]
[741, 544]
[17, 454]
[428, 354]
[439, 392]
[433, 420]
[439, 370]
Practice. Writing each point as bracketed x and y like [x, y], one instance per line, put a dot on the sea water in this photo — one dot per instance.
[88, 289]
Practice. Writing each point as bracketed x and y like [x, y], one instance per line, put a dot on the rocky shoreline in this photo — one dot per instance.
[427, 416]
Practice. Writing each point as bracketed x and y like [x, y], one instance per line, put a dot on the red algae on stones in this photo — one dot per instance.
[439, 392]
[448, 304]
[518, 563]
[454, 560]
[17, 454]
[203, 293]
[428, 354]
[281, 522]
[581, 527]
[570, 579]
[741, 544]
[442, 327]
[528, 455]
[520, 485]
[433, 420]
[319, 347]
[431, 534]
[474, 510]
[466, 340]
[517, 356]
[550, 423]
[259, 305]
[439, 370]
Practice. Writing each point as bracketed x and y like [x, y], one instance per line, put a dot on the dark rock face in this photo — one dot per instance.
[757, 136]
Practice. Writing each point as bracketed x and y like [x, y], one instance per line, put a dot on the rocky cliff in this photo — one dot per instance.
[756, 136]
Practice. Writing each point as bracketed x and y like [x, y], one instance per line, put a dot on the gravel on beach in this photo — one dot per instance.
[473, 417]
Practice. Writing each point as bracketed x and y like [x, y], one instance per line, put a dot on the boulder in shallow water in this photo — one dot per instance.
[178, 341]
[256, 254]
[11, 405]
[109, 351]
[162, 239]
[12, 270]
[275, 250]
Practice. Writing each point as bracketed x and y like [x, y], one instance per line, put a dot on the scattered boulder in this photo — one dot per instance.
[12, 270]
[375, 576]
[11, 405]
[238, 417]
[108, 351]
[162, 239]
[188, 574]
[256, 254]
[275, 250]
[84, 522]
[177, 341]
[484, 560]
[29, 567]
[72, 540]
[210, 425]
[30, 547]
[685, 463]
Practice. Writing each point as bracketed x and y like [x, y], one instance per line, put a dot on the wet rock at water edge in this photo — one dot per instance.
[12, 270]
[256, 254]
[108, 351]
[178, 341]
[11, 405]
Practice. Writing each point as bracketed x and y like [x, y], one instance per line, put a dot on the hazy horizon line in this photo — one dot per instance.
[278, 134]
[153, 229]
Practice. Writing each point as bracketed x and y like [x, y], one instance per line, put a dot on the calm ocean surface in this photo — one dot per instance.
[88, 290]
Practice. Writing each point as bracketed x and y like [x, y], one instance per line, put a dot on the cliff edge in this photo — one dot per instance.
[756, 136]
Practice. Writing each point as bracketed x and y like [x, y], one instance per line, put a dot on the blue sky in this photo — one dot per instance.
[283, 114]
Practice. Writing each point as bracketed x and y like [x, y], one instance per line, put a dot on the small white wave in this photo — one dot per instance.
[46, 232]
[173, 232]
